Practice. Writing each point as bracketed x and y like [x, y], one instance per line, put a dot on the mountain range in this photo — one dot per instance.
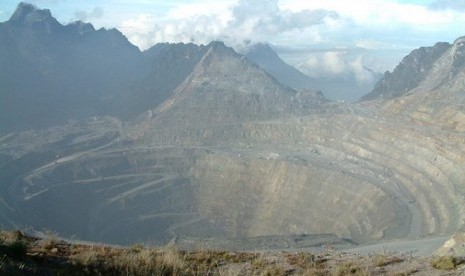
[190, 143]
[53, 73]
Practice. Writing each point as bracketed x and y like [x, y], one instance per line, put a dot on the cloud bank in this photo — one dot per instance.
[351, 35]
[336, 63]
[236, 24]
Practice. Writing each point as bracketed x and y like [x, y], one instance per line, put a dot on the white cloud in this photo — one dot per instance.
[376, 12]
[380, 31]
[335, 64]
[139, 30]
[97, 12]
[255, 20]
[362, 75]
[369, 44]
[195, 9]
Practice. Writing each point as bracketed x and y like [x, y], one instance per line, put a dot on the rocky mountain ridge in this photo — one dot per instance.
[74, 71]
[234, 89]
[264, 56]
[51, 73]
[425, 68]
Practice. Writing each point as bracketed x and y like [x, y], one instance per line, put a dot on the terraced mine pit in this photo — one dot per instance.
[359, 176]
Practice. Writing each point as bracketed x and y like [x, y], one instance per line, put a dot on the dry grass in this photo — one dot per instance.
[383, 260]
[446, 262]
[22, 255]
[349, 268]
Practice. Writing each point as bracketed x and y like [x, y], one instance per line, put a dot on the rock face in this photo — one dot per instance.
[170, 64]
[455, 246]
[51, 73]
[232, 153]
[413, 69]
[438, 99]
[223, 88]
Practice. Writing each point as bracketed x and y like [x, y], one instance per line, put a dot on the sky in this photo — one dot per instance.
[318, 37]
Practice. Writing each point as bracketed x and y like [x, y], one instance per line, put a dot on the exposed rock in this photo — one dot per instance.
[224, 88]
[412, 70]
[455, 246]
[50, 73]
[27, 14]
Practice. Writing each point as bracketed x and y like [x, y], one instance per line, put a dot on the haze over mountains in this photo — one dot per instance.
[343, 87]
[200, 142]
[78, 71]
[53, 73]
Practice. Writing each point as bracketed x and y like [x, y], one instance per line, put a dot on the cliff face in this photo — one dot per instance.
[412, 70]
[438, 99]
[51, 73]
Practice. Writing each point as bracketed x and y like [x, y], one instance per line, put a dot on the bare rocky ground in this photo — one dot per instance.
[26, 255]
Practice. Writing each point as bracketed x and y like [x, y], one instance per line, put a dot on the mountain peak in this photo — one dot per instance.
[220, 47]
[262, 51]
[458, 55]
[410, 72]
[460, 40]
[29, 14]
[264, 56]
[261, 48]
[81, 27]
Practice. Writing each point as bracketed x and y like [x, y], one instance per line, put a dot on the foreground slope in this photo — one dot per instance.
[27, 255]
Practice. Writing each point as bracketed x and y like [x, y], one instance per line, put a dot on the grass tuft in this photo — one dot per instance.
[349, 268]
[446, 262]
[383, 260]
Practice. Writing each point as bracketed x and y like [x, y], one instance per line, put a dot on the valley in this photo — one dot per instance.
[225, 155]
